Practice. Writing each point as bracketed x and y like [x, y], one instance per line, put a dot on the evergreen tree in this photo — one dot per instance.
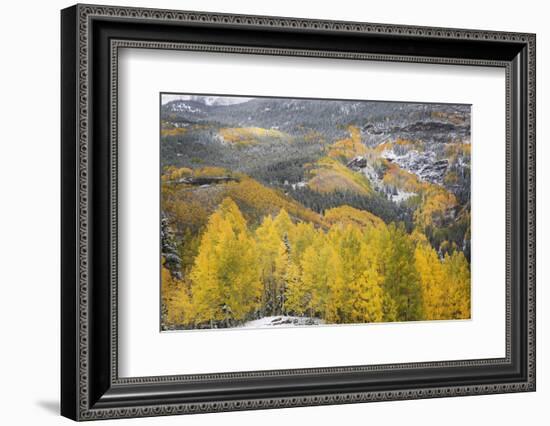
[296, 295]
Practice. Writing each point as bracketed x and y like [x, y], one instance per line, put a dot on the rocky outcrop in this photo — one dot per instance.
[423, 164]
[358, 162]
[428, 126]
[361, 164]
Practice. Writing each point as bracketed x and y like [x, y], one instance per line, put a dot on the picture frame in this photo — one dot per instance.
[91, 37]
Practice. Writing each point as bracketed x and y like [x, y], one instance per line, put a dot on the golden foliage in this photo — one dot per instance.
[199, 127]
[457, 280]
[348, 148]
[437, 204]
[256, 199]
[189, 207]
[395, 253]
[358, 271]
[329, 175]
[225, 278]
[173, 131]
[348, 215]
[445, 284]
[211, 171]
[176, 302]
[172, 173]
[402, 179]
[431, 274]
[249, 135]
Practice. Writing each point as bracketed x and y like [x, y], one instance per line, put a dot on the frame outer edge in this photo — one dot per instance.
[83, 13]
[83, 176]
[531, 200]
[69, 190]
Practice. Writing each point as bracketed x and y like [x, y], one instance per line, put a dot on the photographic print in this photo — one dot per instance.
[284, 212]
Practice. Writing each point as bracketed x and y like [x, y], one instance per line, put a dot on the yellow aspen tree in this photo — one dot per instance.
[401, 280]
[296, 296]
[283, 223]
[177, 306]
[377, 248]
[369, 301]
[360, 298]
[206, 288]
[368, 304]
[300, 238]
[389, 308]
[243, 278]
[225, 277]
[432, 281]
[458, 285]
[322, 278]
[346, 244]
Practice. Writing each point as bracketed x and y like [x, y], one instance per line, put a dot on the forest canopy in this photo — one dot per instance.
[355, 271]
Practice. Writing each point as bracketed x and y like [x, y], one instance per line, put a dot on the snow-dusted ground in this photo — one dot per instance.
[282, 321]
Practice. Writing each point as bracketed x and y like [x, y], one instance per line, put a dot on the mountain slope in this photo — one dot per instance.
[403, 162]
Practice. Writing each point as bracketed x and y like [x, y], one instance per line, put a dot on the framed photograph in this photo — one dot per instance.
[263, 212]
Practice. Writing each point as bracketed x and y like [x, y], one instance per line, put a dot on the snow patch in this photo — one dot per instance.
[181, 107]
[425, 165]
[282, 321]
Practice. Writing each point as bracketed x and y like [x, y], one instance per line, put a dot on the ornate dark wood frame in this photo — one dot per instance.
[91, 38]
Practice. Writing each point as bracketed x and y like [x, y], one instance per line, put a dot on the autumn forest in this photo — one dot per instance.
[301, 212]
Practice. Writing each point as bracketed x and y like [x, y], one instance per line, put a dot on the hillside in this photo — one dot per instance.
[191, 196]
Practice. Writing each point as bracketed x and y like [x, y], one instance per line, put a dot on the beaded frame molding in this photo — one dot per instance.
[91, 39]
